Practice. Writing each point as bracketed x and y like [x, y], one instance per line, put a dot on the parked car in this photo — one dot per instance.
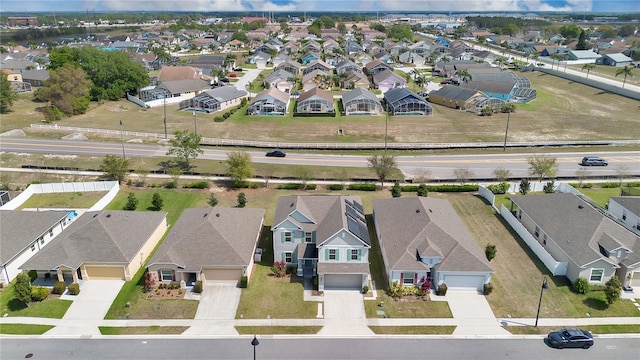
[276, 153]
[593, 161]
[237, 69]
[296, 93]
[446, 81]
[424, 94]
[570, 337]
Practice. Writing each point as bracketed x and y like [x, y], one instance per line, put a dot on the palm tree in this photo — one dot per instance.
[626, 71]
[589, 67]
[464, 75]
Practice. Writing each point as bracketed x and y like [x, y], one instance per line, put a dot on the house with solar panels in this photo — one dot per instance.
[324, 236]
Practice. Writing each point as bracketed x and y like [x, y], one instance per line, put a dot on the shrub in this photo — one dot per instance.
[490, 251]
[226, 115]
[442, 289]
[587, 186]
[279, 268]
[59, 288]
[22, 288]
[612, 290]
[213, 200]
[74, 289]
[363, 187]
[525, 186]
[335, 187]
[196, 185]
[289, 186]
[596, 287]
[499, 188]
[170, 185]
[244, 281]
[581, 286]
[33, 275]
[487, 289]
[549, 187]
[609, 185]
[39, 293]
[425, 286]
[157, 201]
[396, 290]
[198, 287]
[422, 190]
[365, 289]
[395, 190]
[132, 202]
[149, 282]
[218, 119]
[242, 200]
[633, 184]
[453, 188]
[246, 185]
[310, 187]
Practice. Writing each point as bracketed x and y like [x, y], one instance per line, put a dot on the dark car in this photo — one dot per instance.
[276, 153]
[237, 69]
[593, 161]
[570, 337]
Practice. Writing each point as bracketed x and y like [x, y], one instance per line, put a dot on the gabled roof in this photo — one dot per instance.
[329, 213]
[456, 93]
[413, 227]
[631, 203]
[575, 226]
[397, 94]
[41, 75]
[224, 93]
[279, 74]
[172, 73]
[292, 63]
[619, 57]
[388, 75]
[19, 229]
[358, 93]
[346, 64]
[500, 87]
[274, 93]
[316, 92]
[218, 236]
[309, 76]
[109, 236]
[319, 62]
[182, 86]
[372, 64]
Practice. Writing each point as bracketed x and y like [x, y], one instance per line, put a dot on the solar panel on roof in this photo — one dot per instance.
[353, 227]
[352, 212]
[358, 207]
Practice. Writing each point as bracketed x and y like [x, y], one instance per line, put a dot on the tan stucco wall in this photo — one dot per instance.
[146, 249]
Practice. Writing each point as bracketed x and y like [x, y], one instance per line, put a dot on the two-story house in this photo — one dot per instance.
[324, 236]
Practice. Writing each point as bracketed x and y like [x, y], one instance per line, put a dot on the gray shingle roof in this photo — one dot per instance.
[18, 229]
[110, 236]
[41, 75]
[499, 87]
[316, 92]
[358, 93]
[397, 94]
[455, 93]
[429, 227]
[279, 74]
[225, 93]
[631, 203]
[274, 93]
[387, 74]
[574, 225]
[216, 236]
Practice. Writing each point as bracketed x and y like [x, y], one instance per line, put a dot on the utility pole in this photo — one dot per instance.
[195, 118]
[504, 147]
[124, 156]
[164, 97]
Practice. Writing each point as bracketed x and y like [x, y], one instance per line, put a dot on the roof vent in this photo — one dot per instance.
[291, 205]
[417, 211]
[108, 216]
[218, 215]
[430, 211]
[94, 215]
[580, 207]
[205, 215]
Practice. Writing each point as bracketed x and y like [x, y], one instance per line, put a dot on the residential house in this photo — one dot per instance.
[401, 101]
[260, 59]
[280, 59]
[281, 80]
[214, 100]
[269, 102]
[329, 45]
[410, 57]
[20, 66]
[323, 235]
[352, 47]
[384, 56]
[172, 73]
[626, 209]
[354, 79]
[503, 90]
[315, 101]
[318, 78]
[181, 88]
[420, 47]
[308, 58]
[267, 48]
[423, 238]
[361, 102]
[461, 98]
[618, 59]
[387, 79]
[582, 55]
[346, 65]
[312, 46]
[290, 66]
[585, 242]
[36, 78]
[210, 245]
[317, 65]
[24, 233]
[376, 66]
[109, 244]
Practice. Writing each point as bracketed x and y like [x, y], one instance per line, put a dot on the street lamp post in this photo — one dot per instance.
[255, 344]
[195, 119]
[386, 129]
[124, 156]
[542, 288]
[506, 131]
[164, 98]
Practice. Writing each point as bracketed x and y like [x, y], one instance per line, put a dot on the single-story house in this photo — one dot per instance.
[217, 99]
[259, 58]
[627, 210]
[108, 244]
[345, 66]
[269, 102]
[24, 233]
[361, 102]
[308, 58]
[423, 238]
[411, 57]
[35, 77]
[315, 101]
[376, 66]
[457, 97]
[317, 65]
[617, 59]
[582, 55]
[354, 79]
[401, 101]
[323, 235]
[503, 90]
[187, 88]
[289, 66]
[281, 80]
[280, 59]
[316, 78]
[587, 243]
[214, 244]
[386, 79]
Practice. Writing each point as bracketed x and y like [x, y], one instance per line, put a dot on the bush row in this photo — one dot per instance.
[246, 185]
[196, 185]
[296, 186]
[441, 188]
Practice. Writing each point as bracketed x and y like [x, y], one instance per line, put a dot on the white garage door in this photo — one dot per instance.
[466, 282]
[636, 279]
[343, 281]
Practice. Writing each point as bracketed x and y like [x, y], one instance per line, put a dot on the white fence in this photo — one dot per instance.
[111, 186]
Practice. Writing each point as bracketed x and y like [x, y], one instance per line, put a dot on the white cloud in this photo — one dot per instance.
[473, 5]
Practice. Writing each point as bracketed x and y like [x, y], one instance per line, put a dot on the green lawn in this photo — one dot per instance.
[142, 330]
[49, 308]
[599, 195]
[69, 200]
[594, 329]
[24, 329]
[278, 330]
[175, 200]
[413, 330]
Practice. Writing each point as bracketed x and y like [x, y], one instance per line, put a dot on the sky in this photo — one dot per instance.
[623, 6]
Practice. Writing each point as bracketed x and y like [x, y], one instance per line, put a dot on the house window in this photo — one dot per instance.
[537, 232]
[287, 257]
[354, 254]
[408, 278]
[596, 275]
[308, 237]
[288, 236]
[51, 232]
[33, 247]
[166, 275]
[41, 238]
[624, 214]
[332, 254]
[544, 239]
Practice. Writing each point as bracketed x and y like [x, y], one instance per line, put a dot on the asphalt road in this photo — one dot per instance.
[310, 349]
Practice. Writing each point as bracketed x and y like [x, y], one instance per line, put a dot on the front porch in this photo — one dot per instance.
[307, 256]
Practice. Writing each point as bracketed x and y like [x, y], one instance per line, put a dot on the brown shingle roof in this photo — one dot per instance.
[172, 73]
[316, 92]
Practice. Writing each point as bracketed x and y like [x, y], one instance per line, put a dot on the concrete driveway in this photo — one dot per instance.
[344, 314]
[219, 301]
[473, 314]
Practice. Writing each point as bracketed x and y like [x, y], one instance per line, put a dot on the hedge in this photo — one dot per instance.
[363, 187]
[196, 185]
[335, 187]
[246, 185]
[441, 188]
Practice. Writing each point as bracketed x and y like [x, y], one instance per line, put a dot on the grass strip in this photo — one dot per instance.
[277, 330]
[24, 329]
[142, 330]
[413, 330]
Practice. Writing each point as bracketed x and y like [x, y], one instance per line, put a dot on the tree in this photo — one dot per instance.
[501, 174]
[549, 187]
[239, 166]
[622, 172]
[588, 67]
[157, 201]
[396, 190]
[464, 74]
[174, 173]
[543, 167]
[304, 173]
[383, 166]
[68, 89]
[185, 146]
[571, 31]
[582, 42]
[607, 31]
[626, 30]
[22, 288]
[463, 174]
[510, 29]
[242, 200]
[581, 174]
[525, 186]
[213, 200]
[422, 190]
[114, 167]
[625, 71]
[149, 282]
[400, 32]
[487, 111]
[132, 202]
[508, 107]
[490, 251]
[612, 289]
[7, 95]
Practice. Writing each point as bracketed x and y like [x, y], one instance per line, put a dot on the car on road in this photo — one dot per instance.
[276, 153]
[570, 337]
[593, 161]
